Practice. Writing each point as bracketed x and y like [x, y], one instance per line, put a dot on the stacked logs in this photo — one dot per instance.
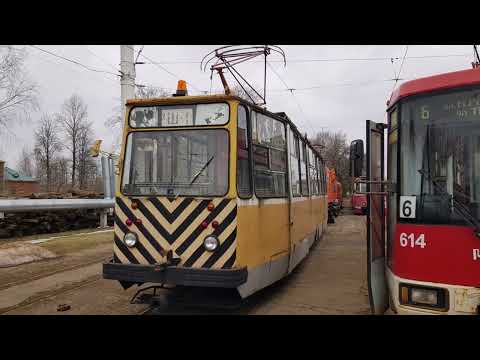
[72, 194]
[43, 222]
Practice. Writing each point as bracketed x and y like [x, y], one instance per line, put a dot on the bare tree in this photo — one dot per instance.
[334, 148]
[60, 173]
[73, 119]
[26, 163]
[85, 139]
[17, 92]
[47, 146]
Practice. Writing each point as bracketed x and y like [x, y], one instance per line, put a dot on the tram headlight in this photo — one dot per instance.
[130, 239]
[210, 243]
[430, 297]
[424, 296]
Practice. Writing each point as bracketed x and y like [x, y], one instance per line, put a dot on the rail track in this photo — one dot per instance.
[37, 299]
[53, 272]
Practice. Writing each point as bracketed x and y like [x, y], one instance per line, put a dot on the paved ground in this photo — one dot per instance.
[332, 280]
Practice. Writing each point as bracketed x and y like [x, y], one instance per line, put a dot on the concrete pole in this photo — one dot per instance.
[103, 219]
[127, 79]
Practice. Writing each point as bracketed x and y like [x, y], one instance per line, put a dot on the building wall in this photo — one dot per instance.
[22, 188]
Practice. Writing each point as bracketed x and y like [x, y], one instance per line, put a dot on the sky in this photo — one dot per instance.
[338, 87]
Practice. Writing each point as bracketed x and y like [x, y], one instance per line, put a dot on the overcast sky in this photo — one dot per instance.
[339, 91]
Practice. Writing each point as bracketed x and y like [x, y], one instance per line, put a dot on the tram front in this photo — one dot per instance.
[431, 231]
[175, 211]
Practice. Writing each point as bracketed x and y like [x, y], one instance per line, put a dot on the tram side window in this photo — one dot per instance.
[295, 165]
[323, 182]
[303, 166]
[313, 173]
[316, 180]
[321, 176]
[325, 177]
[244, 183]
[320, 183]
[270, 156]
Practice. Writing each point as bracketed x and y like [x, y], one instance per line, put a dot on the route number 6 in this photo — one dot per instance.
[406, 239]
[407, 206]
[425, 113]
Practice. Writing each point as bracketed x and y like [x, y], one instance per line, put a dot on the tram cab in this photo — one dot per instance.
[423, 249]
[213, 192]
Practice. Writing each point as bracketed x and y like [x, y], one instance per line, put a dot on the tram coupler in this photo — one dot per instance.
[140, 297]
[171, 261]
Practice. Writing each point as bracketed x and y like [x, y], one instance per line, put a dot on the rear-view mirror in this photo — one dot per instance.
[356, 158]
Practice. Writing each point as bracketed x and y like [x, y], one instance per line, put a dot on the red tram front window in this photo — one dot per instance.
[440, 157]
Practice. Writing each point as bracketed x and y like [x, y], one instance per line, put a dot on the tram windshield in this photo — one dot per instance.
[176, 163]
[440, 157]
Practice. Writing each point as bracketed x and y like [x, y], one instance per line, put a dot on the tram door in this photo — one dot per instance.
[298, 215]
[377, 284]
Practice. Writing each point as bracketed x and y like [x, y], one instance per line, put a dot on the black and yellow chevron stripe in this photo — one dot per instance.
[176, 225]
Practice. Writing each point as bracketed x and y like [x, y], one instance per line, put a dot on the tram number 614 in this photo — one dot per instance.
[409, 239]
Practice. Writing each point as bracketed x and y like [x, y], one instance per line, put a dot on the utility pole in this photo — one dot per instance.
[127, 89]
[127, 79]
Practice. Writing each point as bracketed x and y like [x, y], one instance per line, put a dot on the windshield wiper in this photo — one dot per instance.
[460, 208]
[201, 170]
[196, 175]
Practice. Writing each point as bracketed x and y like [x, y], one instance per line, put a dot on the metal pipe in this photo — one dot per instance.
[106, 178]
[112, 177]
[26, 205]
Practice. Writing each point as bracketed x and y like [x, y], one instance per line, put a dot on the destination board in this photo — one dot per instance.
[464, 106]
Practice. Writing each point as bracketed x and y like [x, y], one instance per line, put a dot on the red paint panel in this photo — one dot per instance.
[448, 255]
[437, 82]
[359, 200]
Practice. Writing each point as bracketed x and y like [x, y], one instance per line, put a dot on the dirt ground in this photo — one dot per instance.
[331, 280]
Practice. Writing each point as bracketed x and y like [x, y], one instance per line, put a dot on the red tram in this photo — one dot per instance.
[424, 247]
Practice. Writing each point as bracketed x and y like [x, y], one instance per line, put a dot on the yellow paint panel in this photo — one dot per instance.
[263, 231]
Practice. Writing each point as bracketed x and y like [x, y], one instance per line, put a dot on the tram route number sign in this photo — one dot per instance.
[408, 206]
[177, 117]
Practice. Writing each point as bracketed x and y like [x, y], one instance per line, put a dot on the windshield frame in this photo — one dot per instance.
[399, 105]
[173, 104]
[179, 129]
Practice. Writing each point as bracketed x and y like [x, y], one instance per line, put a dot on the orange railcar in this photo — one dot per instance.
[334, 194]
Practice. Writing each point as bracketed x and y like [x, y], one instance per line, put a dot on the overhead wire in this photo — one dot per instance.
[185, 61]
[334, 85]
[101, 59]
[74, 61]
[397, 77]
[165, 69]
[58, 63]
[476, 56]
[294, 97]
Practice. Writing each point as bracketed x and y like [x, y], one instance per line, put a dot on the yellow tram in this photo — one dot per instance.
[213, 191]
